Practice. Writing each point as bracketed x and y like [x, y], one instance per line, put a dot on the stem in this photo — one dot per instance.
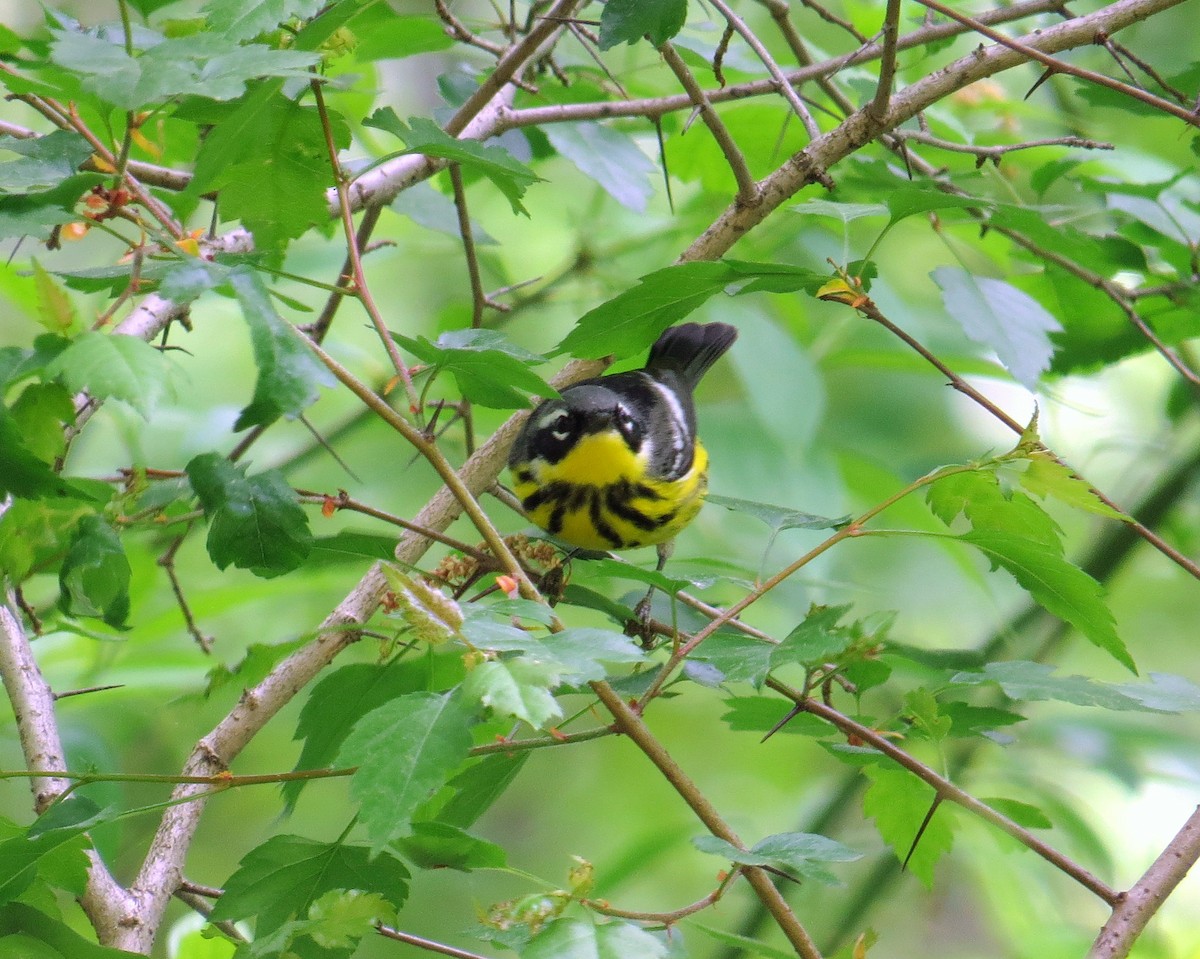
[629, 722]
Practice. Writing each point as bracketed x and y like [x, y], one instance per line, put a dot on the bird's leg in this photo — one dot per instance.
[642, 611]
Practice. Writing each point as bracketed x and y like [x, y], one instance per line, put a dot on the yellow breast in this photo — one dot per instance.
[599, 496]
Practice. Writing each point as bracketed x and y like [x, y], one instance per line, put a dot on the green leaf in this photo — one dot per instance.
[922, 709]
[739, 658]
[911, 200]
[405, 750]
[1022, 813]
[341, 917]
[760, 714]
[204, 63]
[478, 786]
[609, 157]
[255, 522]
[570, 938]
[1003, 318]
[37, 214]
[795, 853]
[487, 368]
[439, 845]
[283, 877]
[631, 321]
[744, 944]
[21, 472]
[1046, 476]
[239, 20]
[1062, 588]
[58, 838]
[41, 412]
[899, 802]
[518, 687]
[1164, 691]
[288, 373]
[817, 639]
[340, 700]
[421, 135]
[113, 366]
[36, 935]
[627, 21]
[34, 533]
[574, 655]
[778, 518]
[1036, 681]
[46, 161]
[977, 495]
[95, 573]
[846, 212]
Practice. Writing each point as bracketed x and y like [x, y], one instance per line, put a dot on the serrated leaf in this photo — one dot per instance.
[816, 639]
[998, 315]
[1036, 681]
[37, 214]
[1164, 691]
[204, 63]
[796, 853]
[284, 876]
[29, 929]
[113, 366]
[627, 21]
[911, 200]
[609, 157]
[439, 845]
[405, 750]
[846, 212]
[1045, 476]
[778, 518]
[255, 522]
[518, 687]
[978, 496]
[421, 135]
[570, 938]
[337, 702]
[898, 802]
[760, 714]
[744, 944]
[1062, 588]
[922, 708]
[241, 20]
[341, 917]
[1022, 813]
[575, 655]
[632, 320]
[94, 577]
[739, 658]
[478, 786]
[289, 375]
[55, 309]
[487, 369]
[32, 532]
[41, 412]
[21, 472]
[45, 161]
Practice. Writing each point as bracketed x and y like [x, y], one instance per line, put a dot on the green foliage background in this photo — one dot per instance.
[817, 410]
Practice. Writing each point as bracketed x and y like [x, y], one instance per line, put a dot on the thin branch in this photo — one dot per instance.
[354, 256]
[478, 296]
[878, 107]
[747, 189]
[871, 311]
[996, 151]
[1137, 906]
[161, 869]
[629, 722]
[167, 562]
[948, 791]
[429, 945]
[1191, 117]
[783, 83]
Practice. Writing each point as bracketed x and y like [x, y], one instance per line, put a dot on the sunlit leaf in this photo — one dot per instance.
[1003, 318]
[627, 21]
[405, 749]
[899, 802]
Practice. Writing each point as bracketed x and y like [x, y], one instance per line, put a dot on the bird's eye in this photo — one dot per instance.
[560, 426]
[629, 427]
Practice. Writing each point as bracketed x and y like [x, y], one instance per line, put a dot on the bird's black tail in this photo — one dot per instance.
[690, 349]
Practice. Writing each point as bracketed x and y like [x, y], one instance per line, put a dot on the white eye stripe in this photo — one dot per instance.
[678, 417]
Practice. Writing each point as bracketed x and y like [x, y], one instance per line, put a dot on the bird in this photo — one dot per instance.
[614, 462]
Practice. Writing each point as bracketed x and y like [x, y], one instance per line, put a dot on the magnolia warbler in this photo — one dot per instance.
[615, 463]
